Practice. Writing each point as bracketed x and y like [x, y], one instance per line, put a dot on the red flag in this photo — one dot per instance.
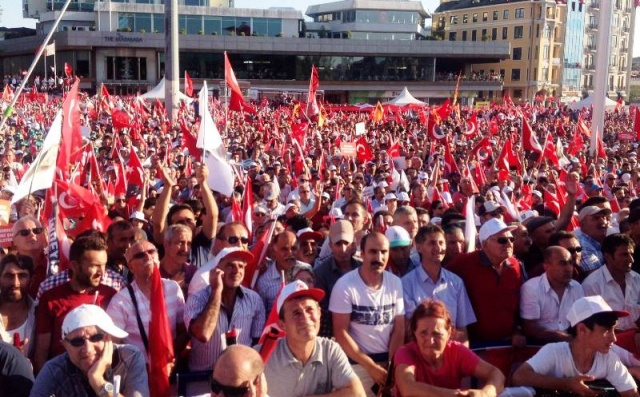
[236, 102]
[636, 123]
[189, 141]
[314, 84]
[135, 171]
[433, 127]
[363, 150]
[104, 92]
[70, 147]
[576, 144]
[121, 177]
[493, 127]
[471, 126]
[73, 200]
[7, 94]
[503, 159]
[188, 84]
[445, 110]
[551, 202]
[601, 152]
[450, 164]
[247, 206]
[259, 252]
[483, 144]
[160, 340]
[67, 70]
[582, 127]
[120, 119]
[59, 244]
[529, 139]
[550, 151]
[299, 132]
[394, 150]
[236, 210]
[94, 219]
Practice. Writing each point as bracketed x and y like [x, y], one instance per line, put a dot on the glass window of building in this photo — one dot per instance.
[518, 32]
[213, 25]
[494, 34]
[517, 54]
[143, 22]
[475, 17]
[484, 36]
[158, 23]
[545, 51]
[485, 16]
[517, 93]
[454, 20]
[474, 35]
[505, 33]
[515, 74]
[495, 15]
[464, 35]
[519, 13]
[274, 27]
[126, 22]
[452, 36]
[465, 18]
[505, 14]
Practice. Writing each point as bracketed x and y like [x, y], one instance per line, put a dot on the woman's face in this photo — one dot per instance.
[432, 336]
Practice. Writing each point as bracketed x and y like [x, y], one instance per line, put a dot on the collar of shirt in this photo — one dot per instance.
[424, 277]
[316, 356]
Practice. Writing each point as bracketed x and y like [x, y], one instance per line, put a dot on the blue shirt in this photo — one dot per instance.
[592, 257]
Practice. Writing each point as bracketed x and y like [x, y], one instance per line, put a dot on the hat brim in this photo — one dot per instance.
[242, 255]
[310, 236]
[313, 293]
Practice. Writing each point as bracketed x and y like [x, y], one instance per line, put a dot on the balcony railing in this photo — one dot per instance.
[590, 66]
[592, 26]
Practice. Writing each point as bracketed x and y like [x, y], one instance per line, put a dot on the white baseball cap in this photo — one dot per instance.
[137, 215]
[403, 196]
[232, 252]
[390, 196]
[91, 315]
[398, 237]
[592, 210]
[587, 306]
[493, 227]
[298, 289]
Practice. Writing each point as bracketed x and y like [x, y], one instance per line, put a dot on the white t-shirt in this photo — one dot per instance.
[555, 359]
[372, 311]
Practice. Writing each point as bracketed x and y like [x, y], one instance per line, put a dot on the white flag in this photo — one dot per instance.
[221, 177]
[43, 169]
[50, 49]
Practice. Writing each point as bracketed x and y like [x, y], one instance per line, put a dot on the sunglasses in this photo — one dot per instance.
[143, 254]
[79, 342]
[505, 240]
[229, 391]
[26, 232]
[235, 239]
[575, 250]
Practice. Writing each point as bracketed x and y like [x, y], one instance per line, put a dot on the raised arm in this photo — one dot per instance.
[210, 222]
[203, 326]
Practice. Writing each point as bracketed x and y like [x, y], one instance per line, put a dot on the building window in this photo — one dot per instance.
[494, 34]
[485, 16]
[517, 54]
[502, 73]
[464, 35]
[465, 18]
[505, 14]
[452, 36]
[484, 36]
[495, 15]
[515, 74]
[475, 17]
[453, 20]
[505, 33]
[519, 13]
[474, 35]
[518, 32]
[517, 93]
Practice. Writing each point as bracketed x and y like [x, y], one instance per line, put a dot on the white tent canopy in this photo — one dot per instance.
[158, 93]
[609, 104]
[405, 98]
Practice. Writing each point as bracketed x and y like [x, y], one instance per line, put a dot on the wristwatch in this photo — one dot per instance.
[107, 390]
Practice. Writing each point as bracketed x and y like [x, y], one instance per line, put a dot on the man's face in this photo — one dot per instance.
[560, 268]
[120, 241]
[621, 260]
[454, 242]
[301, 320]
[573, 246]
[600, 338]
[432, 250]
[141, 260]
[596, 225]
[184, 217]
[13, 283]
[354, 214]
[285, 249]
[541, 235]
[178, 248]
[522, 241]
[233, 272]
[409, 222]
[499, 246]
[86, 355]
[400, 255]
[234, 236]
[375, 254]
[88, 270]
[32, 241]
[308, 249]
[342, 250]
[120, 201]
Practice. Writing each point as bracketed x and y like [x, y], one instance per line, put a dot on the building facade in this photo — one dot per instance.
[553, 43]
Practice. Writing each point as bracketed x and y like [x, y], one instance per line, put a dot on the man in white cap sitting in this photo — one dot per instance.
[569, 366]
[303, 363]
[400, 243]
[92, 360]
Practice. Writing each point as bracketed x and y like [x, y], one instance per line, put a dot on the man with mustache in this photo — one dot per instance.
[302, 355]
[88, 260]
[283, 252]
[308, 245]
[595, 219]
[177, 251]
[17, 309]
[368, 313]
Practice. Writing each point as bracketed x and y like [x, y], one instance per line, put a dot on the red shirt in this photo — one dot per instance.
[57, 302]
[495, 297]
[458, 362]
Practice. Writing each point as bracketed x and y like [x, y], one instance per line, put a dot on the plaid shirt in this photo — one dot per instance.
[110, 278]
[592, 257]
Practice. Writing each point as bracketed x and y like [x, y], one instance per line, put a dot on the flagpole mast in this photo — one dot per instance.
[601, 80]
[54, 28]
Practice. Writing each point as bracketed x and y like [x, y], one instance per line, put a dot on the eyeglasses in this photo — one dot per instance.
[143, 254]
[235, 239]
[26, 232]
[229, 391]
[79, 342]
[505, 240]
[574, 250]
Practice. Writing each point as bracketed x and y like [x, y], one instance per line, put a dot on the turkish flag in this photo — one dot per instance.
[189, 141]
[236, 102]
[636, 123]
[471, 126]
[550, 151]
[120, 119]
[73, 200]
[67, 70]
[95, 218]
[314, 84]
[582, 127]
[433, 127]
[529, 139]
[160, 339]
[71, 145]
[450, 164]
[394, 150]
[363, 150]
[188, 84]
[135, 171]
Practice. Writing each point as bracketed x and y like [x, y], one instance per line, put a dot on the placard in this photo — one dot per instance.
[360, 128]
[348, 149]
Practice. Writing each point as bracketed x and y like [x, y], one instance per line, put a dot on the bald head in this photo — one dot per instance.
[238, 365]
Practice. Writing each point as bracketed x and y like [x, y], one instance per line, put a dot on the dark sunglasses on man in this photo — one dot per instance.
[228, 391]
[26, 232]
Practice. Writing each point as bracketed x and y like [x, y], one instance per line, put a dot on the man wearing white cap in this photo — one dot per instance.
[400, 243]
[391, 202]
[569, 366]
[595, 219]
[224, 305]
[303, 363]
[493, 277]
[309, 240]
[92, 360]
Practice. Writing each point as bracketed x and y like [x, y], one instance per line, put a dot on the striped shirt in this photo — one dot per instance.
[123, 313]
[270, 282]
[110, 278]
[247, 317]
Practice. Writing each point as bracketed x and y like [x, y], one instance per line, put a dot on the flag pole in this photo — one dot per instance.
[54, 29]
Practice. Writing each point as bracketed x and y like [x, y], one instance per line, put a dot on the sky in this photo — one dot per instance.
[12, 13]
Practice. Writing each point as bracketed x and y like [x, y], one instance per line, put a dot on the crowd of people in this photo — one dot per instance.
[460, 251]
